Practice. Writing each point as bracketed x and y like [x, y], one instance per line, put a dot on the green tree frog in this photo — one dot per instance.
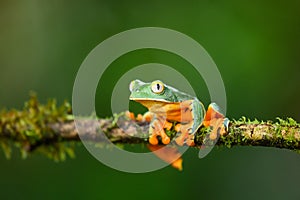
[171, 108]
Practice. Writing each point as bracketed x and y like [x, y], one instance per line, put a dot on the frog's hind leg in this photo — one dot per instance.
[186, 136]
[215, 119]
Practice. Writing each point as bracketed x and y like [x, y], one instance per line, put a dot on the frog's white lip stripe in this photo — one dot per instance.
[149, 99]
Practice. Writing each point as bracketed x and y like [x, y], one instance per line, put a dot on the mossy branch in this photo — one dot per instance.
[50, 129]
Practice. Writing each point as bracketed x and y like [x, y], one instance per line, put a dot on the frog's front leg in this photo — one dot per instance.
[157, 129]
[215, 119]
[157, 126]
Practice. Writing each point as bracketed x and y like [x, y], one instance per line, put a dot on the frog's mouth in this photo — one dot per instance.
[150, 103]
[140, 100]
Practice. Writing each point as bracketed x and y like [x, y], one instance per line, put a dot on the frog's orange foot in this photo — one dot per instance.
[213, 112]
[215, 119]
[130, 115]
[180, 140]
[219, 127]
[185, 135]
[164, 139]
[153, 139]
[157, 129]
[185, 139]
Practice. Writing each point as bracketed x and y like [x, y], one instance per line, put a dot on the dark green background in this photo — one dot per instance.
[255, 44]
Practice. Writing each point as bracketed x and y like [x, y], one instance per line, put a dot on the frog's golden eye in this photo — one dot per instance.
[131, 86]
[157, 87]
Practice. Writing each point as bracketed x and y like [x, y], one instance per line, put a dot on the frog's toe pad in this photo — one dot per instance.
[165, 140]
[130, 115]
[153, 140]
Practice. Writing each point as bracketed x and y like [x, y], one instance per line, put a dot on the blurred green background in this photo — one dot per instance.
[255, 45]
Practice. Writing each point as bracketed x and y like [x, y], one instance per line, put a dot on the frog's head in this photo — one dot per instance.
[156, 91]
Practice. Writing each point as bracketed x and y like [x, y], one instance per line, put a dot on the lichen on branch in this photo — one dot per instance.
[50, 129]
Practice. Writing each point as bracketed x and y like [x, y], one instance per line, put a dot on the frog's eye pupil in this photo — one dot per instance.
[157, 87]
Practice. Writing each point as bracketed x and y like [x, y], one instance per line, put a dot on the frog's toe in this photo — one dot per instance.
[139, 117]
[177, 164]
[168, 125]
[148, 116]
[130, 115]
[165, 140]
[190, 140]
[153, 140]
